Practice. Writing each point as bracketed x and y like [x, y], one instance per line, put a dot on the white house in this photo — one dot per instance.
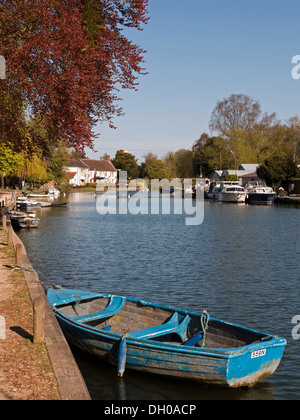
[101, 171]
[83, 171]
[77, 172]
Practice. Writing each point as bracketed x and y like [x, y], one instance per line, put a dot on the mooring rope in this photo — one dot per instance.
[204, 325]
[25, 268]
[78, 301]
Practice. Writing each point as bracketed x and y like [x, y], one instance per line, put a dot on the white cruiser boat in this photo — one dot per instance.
[232, 193]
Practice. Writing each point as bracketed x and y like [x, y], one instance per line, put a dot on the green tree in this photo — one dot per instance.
[58, 159]
[51, 151]
[125, 161]
[158, 170]
[33, 170]
[293, 132]
[169, 161]
[149, 158]
[184, 163]
[277, 169]
[9, 162]
[211, 153]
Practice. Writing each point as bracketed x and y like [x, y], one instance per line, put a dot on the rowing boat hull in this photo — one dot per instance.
[237, 367]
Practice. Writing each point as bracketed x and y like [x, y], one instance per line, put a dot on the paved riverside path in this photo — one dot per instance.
[25, 371]
[30, 371]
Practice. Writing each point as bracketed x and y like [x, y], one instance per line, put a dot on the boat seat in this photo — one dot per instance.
[194, 340]
[108, 328]
[172, 326]
[115, 305]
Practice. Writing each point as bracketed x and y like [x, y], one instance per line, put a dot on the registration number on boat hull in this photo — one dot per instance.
[258, 353]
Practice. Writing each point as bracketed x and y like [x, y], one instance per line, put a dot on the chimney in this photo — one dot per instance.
[108, 158]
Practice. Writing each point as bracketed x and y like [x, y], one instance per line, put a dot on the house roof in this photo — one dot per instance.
[99, 165]
[77, 163]
[240, 173]
[251, 167]
[71, 174]
[92, 165]
[218, 173]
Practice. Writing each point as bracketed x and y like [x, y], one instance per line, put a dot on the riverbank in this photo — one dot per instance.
[24, 366]
[290, 200]
[25, 369]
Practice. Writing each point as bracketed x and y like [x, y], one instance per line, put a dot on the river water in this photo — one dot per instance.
[241, 264]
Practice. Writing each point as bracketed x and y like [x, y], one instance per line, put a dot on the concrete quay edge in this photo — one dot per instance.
[71, 385]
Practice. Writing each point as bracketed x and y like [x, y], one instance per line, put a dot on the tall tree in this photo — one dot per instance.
[13, 128]
[293, 125]
[211, 153]
[169, 161]
[238, 112]
[69, 58]
[149, 158]
[184, 163]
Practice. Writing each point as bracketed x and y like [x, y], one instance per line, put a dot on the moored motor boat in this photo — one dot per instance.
[28, 222]
[25, 203]
[54, 191]
[232, 193]
[164, 340]
[21, 213]
[259, 193]
[38, 195]
[214, 190]
[21, 220]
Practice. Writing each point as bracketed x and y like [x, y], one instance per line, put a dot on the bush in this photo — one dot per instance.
[231, 178]
[91, 185]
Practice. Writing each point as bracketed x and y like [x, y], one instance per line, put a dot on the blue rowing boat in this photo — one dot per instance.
[163, 340]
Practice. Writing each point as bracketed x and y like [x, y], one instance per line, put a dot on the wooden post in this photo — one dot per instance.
[38, 320]
[4, 222]
[19, 254]
[10, 232]
[2, 328]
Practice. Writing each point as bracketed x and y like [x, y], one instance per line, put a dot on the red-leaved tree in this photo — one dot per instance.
[69, 58]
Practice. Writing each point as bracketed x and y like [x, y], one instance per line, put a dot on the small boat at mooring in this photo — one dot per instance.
[27, 204]
[163, 340]
[21, 220]
[232, 193]
[259, 193]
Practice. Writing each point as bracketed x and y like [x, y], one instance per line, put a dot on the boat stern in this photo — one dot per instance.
[255, 363]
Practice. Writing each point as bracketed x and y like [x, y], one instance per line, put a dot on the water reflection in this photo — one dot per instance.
[241, 264]
[104, 384]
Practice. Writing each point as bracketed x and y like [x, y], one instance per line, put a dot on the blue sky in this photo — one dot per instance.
[199, 52]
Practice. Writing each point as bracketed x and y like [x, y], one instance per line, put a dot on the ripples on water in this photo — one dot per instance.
[241, 264]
